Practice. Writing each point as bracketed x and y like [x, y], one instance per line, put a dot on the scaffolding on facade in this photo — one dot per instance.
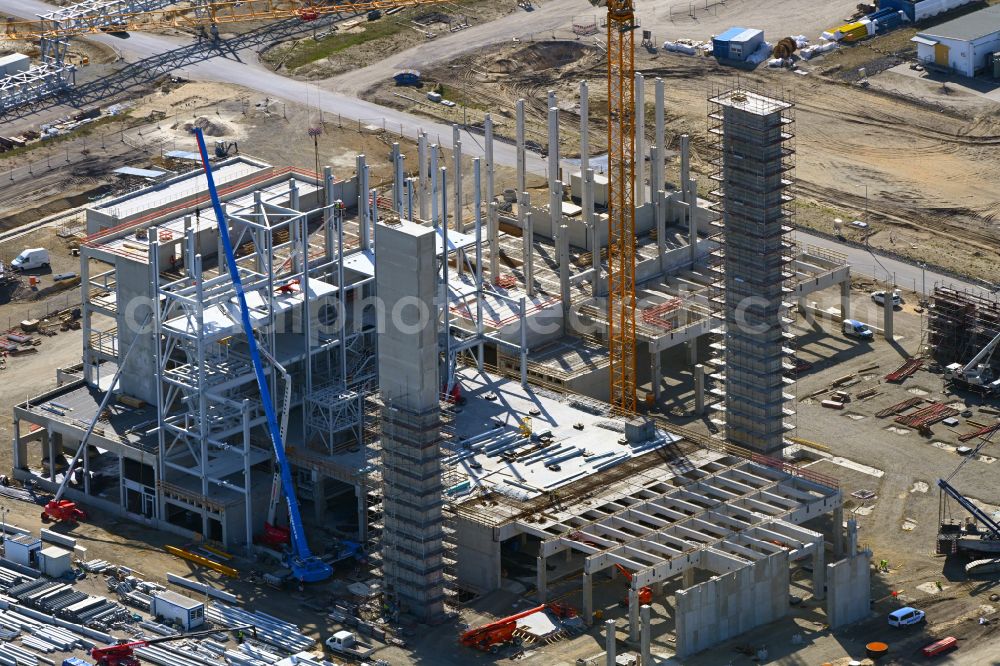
[961, 323]
[754, 164]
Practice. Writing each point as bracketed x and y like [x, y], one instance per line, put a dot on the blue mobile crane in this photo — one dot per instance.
[981, 536]
[305, 566]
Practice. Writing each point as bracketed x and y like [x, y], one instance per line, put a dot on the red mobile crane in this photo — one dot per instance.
[123, 654]
[645, 593]
[490, 637]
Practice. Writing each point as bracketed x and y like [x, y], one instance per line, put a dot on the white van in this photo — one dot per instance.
[858, 329]
[30, 259]
[905, 617]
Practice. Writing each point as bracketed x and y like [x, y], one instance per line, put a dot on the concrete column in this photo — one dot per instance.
[588, 599]
[422, 174]
[361, 498]
[609, 642]
[563, 255]
[685, 175]
[692, 212]
[86, 470]
[661, 226]
[657, 171]
[584, 126]
[688, 580]
[555, 185]
[456, 140]
[692, 346]
[398, 181]
[699, 389]
[845, 300]
[494, 237]
[803, 306]
[645, 658]
[521, 183]
[819, 573]
[657, 373]
[542, 582]
[492, 223]
[887, 323]
[838, 532]
[488, 156]
[527, 243]
[852, 537]
[590, 219]
[633, 614]
[435, 185]
[524, 343]
[328, 215]
[319, 497]
[363, 214]
[640, 139]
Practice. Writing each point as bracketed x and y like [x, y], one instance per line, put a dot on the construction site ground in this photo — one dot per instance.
[852, 445]
[862, 153]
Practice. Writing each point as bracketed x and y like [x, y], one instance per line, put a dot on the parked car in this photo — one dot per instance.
[858, 329]
[905, 617]
[31, 258]
[879, 298]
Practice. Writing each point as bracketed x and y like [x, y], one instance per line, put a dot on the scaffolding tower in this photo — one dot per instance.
[751, 266]
[961, 323]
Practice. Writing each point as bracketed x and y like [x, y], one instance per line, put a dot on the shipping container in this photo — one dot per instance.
[922, 9]
[14, 63]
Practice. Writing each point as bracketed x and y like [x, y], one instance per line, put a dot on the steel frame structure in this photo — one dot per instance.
[131, 16]
[49, 78]
[621, 203]
[207, 399]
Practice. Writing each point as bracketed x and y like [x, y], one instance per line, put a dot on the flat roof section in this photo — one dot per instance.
[223, 319]
[76, 404]
[970, 27]
[176, 189]
[751, 102]
[494, 451]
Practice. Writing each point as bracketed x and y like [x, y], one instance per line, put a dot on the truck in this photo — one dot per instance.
[31, 258]
[858, 329]
[346, 643]
[977, 374]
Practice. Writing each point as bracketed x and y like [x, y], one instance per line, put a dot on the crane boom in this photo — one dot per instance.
[966, 503]
[621, 203]
[201, 13]
[984, 353]
[306, 566]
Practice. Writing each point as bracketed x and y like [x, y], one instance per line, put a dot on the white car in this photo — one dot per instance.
[879, 298]
[906, 616]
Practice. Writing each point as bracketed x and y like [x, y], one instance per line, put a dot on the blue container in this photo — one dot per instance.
[737, 43]
[906, 6]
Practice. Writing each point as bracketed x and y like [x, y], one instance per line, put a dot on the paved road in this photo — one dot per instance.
[243, 68]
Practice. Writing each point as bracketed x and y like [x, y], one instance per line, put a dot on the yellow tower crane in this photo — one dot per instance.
[621, 202]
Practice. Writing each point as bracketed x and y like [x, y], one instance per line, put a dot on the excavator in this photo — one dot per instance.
[123, 654]
[645, 593]
[490, 637]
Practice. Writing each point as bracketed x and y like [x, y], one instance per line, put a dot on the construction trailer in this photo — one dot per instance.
[177, 609]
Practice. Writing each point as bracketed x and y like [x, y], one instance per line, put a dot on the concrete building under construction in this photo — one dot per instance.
[436, 351]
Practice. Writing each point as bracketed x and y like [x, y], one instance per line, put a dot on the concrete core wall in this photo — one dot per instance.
[849, 590]
[731, 604]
